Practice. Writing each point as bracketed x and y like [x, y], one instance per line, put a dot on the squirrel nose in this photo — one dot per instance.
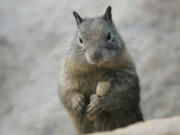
[97, 57]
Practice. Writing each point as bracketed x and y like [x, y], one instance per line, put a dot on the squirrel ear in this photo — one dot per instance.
[79, 20]
[108, 16]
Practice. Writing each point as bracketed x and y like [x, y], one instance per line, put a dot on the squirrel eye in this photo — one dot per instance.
[109, 36]
[80, 40]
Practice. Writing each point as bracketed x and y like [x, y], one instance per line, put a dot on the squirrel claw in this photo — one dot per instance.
[78, 103]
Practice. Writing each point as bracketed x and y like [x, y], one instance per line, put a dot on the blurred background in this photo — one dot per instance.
[35, 35]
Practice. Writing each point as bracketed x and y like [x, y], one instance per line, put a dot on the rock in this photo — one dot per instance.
[168, 126]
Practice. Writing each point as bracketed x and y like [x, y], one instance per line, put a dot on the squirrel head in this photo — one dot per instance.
[97, 39]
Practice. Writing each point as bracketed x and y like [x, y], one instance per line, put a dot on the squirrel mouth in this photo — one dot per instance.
[96, 61]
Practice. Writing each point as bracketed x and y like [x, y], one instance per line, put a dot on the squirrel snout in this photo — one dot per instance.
[94, 57]
[97, 57]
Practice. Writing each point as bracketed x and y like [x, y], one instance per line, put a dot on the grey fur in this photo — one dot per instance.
[80, 74]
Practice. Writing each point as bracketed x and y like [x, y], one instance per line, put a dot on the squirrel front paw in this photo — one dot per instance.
[95, 107]
[78, 103]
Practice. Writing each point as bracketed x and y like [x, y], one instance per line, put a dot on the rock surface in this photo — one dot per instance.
[35, 34]
[168, 126]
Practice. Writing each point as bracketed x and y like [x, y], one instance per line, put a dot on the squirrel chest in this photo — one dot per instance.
[86, 83]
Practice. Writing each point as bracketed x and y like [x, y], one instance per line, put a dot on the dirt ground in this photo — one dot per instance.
[34, 36]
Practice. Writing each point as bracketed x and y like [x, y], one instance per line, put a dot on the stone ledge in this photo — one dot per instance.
[167, 126]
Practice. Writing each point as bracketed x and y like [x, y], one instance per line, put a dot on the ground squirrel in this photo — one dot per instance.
[98, 54]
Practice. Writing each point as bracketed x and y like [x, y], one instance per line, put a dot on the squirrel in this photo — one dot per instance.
[98, 55]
